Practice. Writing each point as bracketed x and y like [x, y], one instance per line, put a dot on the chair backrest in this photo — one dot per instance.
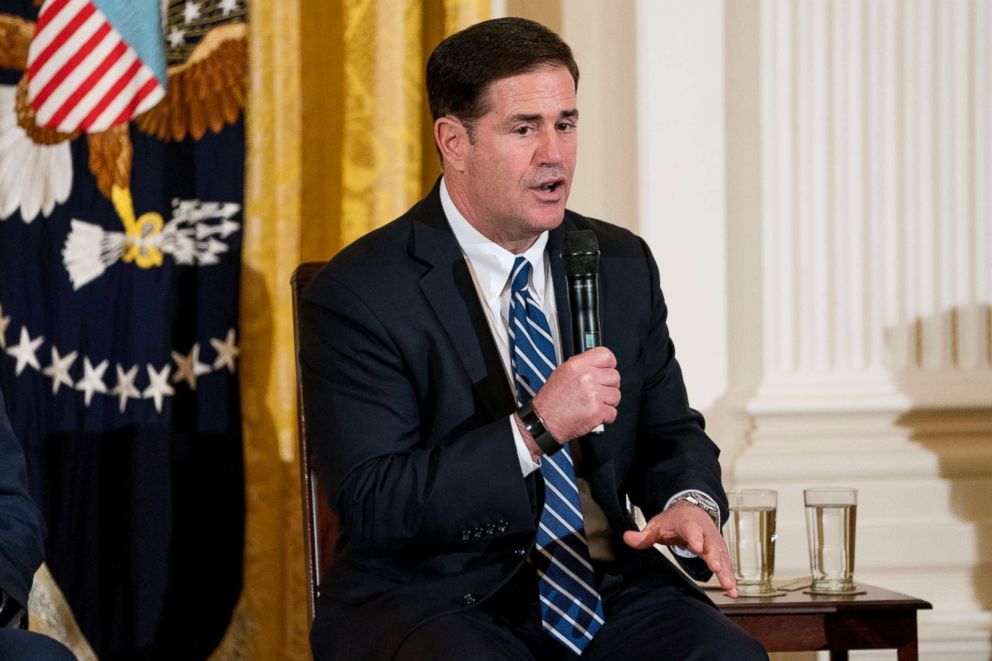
[320, 524]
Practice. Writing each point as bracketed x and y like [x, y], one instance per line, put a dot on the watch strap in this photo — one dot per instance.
[700, 500]
[535, 427]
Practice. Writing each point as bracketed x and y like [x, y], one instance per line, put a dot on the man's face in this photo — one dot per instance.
[518, 171]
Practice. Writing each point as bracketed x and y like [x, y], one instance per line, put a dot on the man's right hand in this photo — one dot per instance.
[581, 394]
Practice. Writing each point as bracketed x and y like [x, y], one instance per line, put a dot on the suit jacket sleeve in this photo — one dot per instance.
[397, 487]
[22, 530]
[673, 450]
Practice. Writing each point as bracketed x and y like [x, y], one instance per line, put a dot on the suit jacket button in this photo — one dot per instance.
[490, 530]
[519, 553]
[469, 599]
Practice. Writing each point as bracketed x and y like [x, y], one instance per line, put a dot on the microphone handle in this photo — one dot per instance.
[584, 299]
[583, 295]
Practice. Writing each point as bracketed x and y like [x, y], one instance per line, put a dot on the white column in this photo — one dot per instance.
[875, 119]
[876, 292]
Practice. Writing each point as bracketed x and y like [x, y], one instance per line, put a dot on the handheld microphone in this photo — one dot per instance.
[580, 253]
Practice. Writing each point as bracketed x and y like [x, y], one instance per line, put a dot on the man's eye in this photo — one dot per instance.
[566, 126]
[523, 130]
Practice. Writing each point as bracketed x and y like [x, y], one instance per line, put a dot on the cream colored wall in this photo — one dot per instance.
[680, 175]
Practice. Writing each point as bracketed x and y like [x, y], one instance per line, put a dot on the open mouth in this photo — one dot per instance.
[550, 186]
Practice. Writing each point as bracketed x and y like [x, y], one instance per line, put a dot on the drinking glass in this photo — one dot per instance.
[751, 539]
[831, 514]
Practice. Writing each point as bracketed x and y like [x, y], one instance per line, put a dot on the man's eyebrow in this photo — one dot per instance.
[521, 117]
[536, 117]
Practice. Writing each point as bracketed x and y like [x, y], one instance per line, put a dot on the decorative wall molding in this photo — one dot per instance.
[876, 293]
[876, 207]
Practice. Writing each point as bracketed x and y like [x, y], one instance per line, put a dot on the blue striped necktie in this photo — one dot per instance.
[571, 608]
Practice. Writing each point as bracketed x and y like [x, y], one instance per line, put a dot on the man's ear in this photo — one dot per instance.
[452, 141]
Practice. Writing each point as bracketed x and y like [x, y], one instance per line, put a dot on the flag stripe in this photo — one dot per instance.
[151, 84]
[97, 84]
[50, 24]
[86, 75]
[118, 103]
[48, 11]
[64, 36]
[117, 77]
[75, 46]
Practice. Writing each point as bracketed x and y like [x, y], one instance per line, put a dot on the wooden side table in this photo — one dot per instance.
[799, 622]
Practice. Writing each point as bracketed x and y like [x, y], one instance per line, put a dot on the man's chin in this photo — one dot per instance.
[548, 217]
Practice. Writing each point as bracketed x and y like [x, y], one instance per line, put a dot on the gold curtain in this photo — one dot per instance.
[339, 142]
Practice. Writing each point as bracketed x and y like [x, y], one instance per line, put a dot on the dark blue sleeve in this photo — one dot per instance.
[22, 530]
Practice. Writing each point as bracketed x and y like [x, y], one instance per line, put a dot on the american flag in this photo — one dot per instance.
[84, 75]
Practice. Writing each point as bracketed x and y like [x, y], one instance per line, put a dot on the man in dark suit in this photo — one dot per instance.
[22, 534]
[451, 413]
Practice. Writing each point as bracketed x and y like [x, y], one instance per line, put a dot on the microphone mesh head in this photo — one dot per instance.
[580, 252]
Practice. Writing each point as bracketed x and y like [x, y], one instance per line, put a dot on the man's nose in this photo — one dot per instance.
[549, 149]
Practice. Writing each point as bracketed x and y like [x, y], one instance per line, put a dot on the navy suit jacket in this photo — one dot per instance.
[408, 404]
[22, 530]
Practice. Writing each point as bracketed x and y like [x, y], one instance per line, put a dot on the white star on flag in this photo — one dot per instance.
[4, 322]
[92, 380]
[24, 351]
[189, 367]
[227, 351]
[125, 390]
[191, 12]
[159, 386]
[228, 6]
[58, 371]
[176, 37]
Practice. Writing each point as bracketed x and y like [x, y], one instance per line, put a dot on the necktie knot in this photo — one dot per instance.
[520, 276]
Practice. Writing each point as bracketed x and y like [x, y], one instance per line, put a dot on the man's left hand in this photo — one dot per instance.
[690, 527]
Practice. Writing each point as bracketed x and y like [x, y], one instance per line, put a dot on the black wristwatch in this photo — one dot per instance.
[11, 612]
[535, 427]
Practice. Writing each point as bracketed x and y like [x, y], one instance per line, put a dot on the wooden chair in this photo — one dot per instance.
[320, 524]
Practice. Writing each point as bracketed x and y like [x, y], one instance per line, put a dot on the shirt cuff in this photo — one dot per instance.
[698, 495]
[527, 464]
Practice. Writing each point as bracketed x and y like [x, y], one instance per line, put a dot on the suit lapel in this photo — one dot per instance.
[448, 287]
[555, 241]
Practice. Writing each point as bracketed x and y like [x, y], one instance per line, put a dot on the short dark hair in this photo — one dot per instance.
[462, 67]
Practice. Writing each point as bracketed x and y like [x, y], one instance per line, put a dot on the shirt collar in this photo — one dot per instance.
[491, 262]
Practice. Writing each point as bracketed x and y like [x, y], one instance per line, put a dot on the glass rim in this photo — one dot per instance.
[753, 491]
[765, 498]
[820, 494]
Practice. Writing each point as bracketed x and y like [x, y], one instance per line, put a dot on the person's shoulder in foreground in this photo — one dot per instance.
[22, 533]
